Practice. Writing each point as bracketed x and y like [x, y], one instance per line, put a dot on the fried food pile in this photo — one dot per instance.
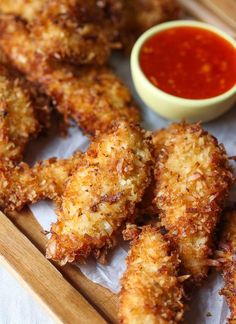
[54, 54]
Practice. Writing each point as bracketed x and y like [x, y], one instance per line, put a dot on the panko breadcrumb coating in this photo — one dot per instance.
[151, 291]
[101, 195]
[86, 31]
[227, 258]
[92, 96]
[17, 120]
[74, 30]
[21, 185]
[77, 31]
[27, 9]
[41, 103]
[193, 179]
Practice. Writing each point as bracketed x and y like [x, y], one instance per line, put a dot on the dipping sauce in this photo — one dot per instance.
[189, 62]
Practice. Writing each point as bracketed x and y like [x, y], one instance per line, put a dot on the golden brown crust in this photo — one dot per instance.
[21, 185]
[27, 9]
[227, 258]
[77, 31]
[17, 121]
[193, 179]
[86, 31]
[94, 97]
[74, 30]
[151, 291]
[101, 195]
[40, 102]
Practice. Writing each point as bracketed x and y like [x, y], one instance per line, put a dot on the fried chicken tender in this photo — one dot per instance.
[94, 97]
[17, 121]
[151, 291]
[73, 30]
[86, 32]
[193, 179]
[226, 254]
[41, 103]
[21, 185]
[101, 195]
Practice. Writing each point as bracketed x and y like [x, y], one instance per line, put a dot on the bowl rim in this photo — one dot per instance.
[179, 23]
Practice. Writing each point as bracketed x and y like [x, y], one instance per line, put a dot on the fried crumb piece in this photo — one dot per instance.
[21, 185]
[151, 291]
[18, 123]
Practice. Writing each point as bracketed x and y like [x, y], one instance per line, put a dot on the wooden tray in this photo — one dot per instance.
[64, 291]
[220, 13]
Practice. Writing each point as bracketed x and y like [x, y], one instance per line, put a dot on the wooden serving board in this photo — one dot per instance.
[220, 13]
[65, 292]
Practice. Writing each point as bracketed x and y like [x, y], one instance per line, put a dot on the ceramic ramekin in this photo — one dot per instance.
[172, 107]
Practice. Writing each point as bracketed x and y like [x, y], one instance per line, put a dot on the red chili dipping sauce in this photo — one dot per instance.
[189, 62]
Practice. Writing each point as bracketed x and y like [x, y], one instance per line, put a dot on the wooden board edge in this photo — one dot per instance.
[64, 303]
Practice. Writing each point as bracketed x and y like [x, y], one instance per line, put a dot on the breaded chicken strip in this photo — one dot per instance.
[101, 195]
[94, 97]
[17, 121]
[86, 31]
[74, 30]
[151, 291]
[193, 179]
[41, 103]
[227, 253]
[77, 31]
[21, 185]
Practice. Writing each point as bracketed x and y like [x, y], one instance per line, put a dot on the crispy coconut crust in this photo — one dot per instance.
[27, 9]
[151, 291]
[92, 96]
[227, 258]
[18, 123]
[73, 30]
[21, 185]
[101, 195]
[85, 32]
[41, 103]
[193, 179]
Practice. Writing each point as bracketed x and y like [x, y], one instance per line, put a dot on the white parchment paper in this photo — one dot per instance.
[207, 306]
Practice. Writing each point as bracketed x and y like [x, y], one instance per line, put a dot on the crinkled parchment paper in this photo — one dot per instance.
[207, 306]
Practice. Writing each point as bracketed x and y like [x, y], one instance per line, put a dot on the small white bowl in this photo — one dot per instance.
[172, 107]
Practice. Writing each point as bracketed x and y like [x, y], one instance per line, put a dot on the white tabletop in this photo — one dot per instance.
[17, 306]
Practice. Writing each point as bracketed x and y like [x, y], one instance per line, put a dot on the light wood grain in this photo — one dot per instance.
[201, 12]
[225, 9]
[26, 262]
[101, 298]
